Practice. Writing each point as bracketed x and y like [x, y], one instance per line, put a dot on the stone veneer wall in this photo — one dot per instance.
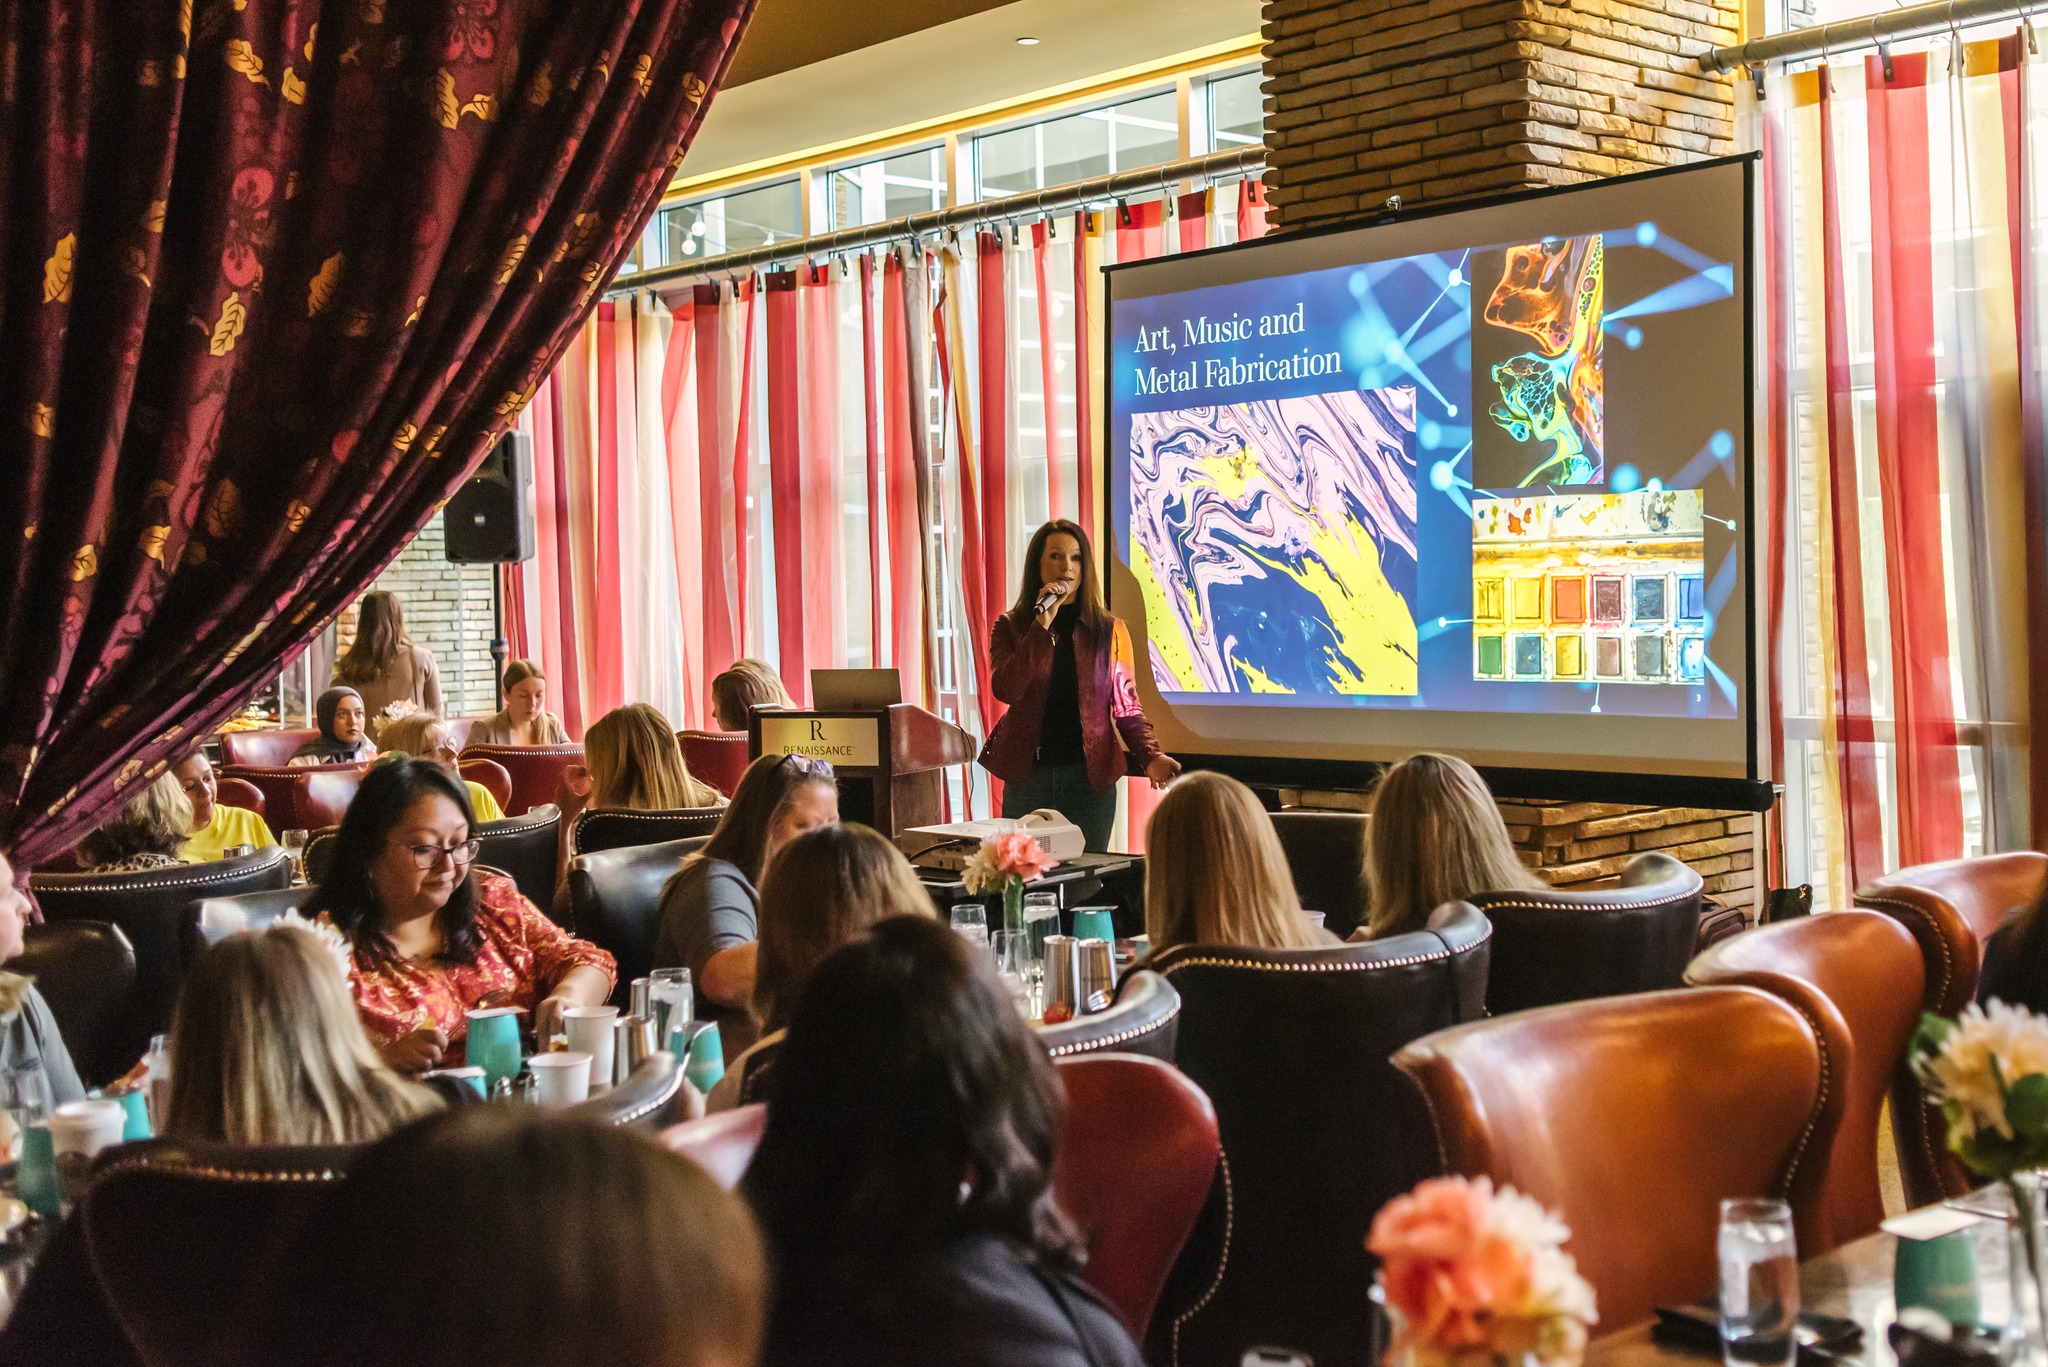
[1583, 844]
[447, 610]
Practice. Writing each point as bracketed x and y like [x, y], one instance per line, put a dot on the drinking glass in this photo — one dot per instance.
[1759, 1284]
[294, 842]
[25, 1097]
[1013, 966]
[971, 920]
[670, 997]
[1041, 918]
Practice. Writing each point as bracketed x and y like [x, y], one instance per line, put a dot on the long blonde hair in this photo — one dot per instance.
[156, 820]
[635, 763]
[822, 889]
[269, 1049]
[1215, 873]
[1435, 837]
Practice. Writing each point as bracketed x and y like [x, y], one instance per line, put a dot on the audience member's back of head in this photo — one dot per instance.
[488, 1235]
[739, 690]
[1215, 873]
[636, 764]
[823, 888]
[156, 821]
[912, 1106]
[1435, 837]
[270, 1050]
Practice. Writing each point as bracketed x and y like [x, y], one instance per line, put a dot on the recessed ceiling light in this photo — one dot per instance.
[1027, 42]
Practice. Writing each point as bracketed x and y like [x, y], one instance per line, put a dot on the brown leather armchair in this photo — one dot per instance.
[271, 748]
[239, 792]
[1633, 1118]
[86, 972]
[489, 775]
[276, 783]
[1552, 947]
[615, 899]
[1143, 1019]
[719, 758]
[1951, 908]
[536, 770]
[650, 1099]
[1856, 977]
[612, 828]
[1326, 855]
[1318, 1129]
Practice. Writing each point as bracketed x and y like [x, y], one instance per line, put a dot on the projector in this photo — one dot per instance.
[950, 846]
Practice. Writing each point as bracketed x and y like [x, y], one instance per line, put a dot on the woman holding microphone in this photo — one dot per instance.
[1064, 667]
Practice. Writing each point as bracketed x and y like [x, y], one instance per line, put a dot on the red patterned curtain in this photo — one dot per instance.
[277, 273]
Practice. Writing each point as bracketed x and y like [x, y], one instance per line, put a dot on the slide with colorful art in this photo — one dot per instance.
[1476, 479]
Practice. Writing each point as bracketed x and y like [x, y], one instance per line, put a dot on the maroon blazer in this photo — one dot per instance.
[1115, 736]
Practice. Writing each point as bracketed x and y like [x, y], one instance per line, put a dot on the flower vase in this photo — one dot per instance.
[2026, 1330]
[1013, 905]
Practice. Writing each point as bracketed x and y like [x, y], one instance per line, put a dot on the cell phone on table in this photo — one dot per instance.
[1275, 1357]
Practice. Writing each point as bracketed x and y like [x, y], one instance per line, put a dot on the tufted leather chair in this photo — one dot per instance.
[536, 770]
[322, 792]
[1136, 1159]
[1856, 977]
[239, 792]
[1318, 1129]
[277, 785]
[489, 775]
[1554, 947]
[268, 749]
[1634, 1118]
[210, 920]
[651, 1098]
[1326, 855]
[86, 972]
[163, 1248]
[611, 828]
[1144, 1019]
[150, 907]
[716, 757]
[615, 897]
[1951, 908]
[721, 1144]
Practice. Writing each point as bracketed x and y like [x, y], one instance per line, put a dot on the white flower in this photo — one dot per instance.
[331, 939]
[1961, 1072]
[1555, 1286]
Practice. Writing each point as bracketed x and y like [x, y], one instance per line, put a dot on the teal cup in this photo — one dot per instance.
[704, 1061]
[1938, 1274]
[493, 1044]
[135, 1105]
[36, 1176]
[1094, 923]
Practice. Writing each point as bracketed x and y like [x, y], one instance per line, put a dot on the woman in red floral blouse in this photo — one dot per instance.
[433, 938]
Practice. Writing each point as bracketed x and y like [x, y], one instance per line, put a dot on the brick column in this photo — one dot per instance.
[1447, 99]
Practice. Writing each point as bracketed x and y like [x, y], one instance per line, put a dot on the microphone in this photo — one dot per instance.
[1051, 596]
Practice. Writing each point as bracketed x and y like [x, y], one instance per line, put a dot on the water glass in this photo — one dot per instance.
[1759, 1284]
[1014, 966]
[294, 842]
[1041, 918]
[670, 999]
[971, 920]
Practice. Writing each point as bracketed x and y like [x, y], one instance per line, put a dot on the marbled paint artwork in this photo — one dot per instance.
[1275, 544]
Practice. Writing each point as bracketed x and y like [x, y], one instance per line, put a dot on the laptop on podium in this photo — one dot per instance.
[855, 690]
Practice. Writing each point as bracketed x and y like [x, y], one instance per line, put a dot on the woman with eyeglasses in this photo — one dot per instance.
[433, 937]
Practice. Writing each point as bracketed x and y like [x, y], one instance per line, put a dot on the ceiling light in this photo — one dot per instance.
[1027, 42]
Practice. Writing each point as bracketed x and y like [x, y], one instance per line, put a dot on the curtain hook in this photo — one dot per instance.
[1884, 55]
[1756, 76]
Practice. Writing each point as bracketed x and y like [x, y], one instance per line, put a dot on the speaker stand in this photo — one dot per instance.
[498, 644]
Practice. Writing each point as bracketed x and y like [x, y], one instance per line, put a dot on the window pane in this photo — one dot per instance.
[877, 191]
[731, 223]
[1147, 131]
[1074, 149]
[1237, 112]
[1007, 163]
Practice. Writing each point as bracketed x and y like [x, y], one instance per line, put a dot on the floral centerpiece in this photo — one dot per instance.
[1472, 1275]
[1988, 1069]
[1002, 864]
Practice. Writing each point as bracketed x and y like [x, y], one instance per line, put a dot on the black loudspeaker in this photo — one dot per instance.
[489, 520]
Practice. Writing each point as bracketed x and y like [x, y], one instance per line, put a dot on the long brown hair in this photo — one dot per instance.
[518, 672]
[636, 764]
[1089, 599]
[825, 887]
[1215, 873]
[380, 633]
[270, 1049]
[742, 835]
[746, 685]
[1435, 837]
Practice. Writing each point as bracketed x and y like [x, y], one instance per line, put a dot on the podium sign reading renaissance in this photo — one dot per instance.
[845, 742]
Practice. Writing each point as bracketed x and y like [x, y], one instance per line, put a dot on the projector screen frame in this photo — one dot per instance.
[1754, 792]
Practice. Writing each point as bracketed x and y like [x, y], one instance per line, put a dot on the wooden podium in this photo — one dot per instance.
[888, 759]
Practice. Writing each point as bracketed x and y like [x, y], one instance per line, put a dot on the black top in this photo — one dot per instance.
[980, 1304]
[1059, 733]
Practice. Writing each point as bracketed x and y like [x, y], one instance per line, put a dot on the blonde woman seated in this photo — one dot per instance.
[425, 736]
[525, 719]
[822, 889]
[742, 688]
[631, 762]
[216, 827]
[268, 1048]
[1215, 873]
[150, 832]
[1435, 837]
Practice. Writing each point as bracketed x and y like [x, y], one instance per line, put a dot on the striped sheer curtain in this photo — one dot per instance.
[1904, 457]
[837, 465]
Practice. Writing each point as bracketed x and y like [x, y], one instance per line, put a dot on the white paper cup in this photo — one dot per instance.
[589, 1029]
[78, 1131]
[561, 1079]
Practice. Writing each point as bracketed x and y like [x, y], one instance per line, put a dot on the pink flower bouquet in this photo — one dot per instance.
[1011, 856]
[1470, 1274]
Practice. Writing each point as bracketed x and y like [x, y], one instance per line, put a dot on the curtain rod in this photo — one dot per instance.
[1870, 30]
[1248, 161]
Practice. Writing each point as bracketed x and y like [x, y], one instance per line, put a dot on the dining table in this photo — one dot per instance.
[1852, 1281]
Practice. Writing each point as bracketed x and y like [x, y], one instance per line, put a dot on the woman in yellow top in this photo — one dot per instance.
[425, 736]
[216, 827]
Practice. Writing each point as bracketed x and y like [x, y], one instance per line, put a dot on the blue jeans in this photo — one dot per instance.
[1065, 789]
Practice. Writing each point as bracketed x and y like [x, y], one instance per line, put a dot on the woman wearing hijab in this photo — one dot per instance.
[342, 738]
